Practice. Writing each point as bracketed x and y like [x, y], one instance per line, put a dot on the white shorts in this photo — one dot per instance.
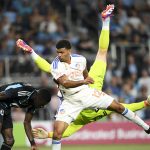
[87, 98]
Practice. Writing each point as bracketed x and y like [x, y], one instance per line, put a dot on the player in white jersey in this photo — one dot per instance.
[75, 96]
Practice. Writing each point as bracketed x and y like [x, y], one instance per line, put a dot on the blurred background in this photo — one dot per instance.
[41, 23]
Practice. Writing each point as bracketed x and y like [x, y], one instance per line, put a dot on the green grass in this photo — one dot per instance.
[95, 147]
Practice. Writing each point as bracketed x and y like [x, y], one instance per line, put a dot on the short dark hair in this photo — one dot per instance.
[63, 44]
[43, 97]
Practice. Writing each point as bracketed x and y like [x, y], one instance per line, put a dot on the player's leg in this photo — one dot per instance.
[136, 106]
[76, 125]
[8, 139]
[41, 133]
[39, 61]
[98, 69]
[59, 128]
[130, 115]
[66, 114]
[133, 107]
[7, 132]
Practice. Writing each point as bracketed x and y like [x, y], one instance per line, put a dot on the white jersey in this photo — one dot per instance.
[81, 97]
[73, 71]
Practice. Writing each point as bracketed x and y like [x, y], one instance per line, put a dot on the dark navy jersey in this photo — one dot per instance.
[19, 95]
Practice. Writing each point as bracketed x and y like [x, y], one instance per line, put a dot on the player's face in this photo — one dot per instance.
[64, 55]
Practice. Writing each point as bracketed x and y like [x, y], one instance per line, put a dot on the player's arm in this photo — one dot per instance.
[63, 80]
[39, 61]
[28, 127]
[85, 73]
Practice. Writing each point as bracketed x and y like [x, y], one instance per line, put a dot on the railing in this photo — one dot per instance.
[14, 68]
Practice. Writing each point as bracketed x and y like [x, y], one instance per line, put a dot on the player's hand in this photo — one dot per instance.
[88, 80]
[21, 44]
[40, 133]
[34, 147]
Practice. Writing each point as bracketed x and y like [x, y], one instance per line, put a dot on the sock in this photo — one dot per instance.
[34, 55]
[56, 145]
[5, 147]
[133, 117]
[106, 24]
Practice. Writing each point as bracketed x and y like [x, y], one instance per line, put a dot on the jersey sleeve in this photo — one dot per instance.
[57, 71]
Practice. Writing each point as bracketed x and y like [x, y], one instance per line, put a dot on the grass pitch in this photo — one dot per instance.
[95, 147]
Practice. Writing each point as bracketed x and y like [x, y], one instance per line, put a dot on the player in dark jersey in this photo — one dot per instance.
[21, 95]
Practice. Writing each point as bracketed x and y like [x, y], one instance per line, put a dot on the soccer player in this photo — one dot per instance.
[70, 73]
[21, 95]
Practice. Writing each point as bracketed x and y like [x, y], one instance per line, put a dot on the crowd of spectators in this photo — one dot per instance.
[41, 23]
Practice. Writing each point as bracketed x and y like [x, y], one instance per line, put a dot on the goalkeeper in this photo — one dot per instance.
[97, 72]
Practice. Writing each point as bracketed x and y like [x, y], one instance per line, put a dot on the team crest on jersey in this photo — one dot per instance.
[77, 65]
[2, 112]
[24, 93]
[62, 111]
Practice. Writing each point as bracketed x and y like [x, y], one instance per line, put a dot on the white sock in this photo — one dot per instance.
[106, 23]
[133, 117]
[56, 145]
[34, 55]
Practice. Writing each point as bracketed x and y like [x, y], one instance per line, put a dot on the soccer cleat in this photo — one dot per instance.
[108, 11]
[21, 44]
[148, 131]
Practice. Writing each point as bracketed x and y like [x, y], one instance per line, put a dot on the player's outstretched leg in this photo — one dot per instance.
[130, 115]
[98, 69]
